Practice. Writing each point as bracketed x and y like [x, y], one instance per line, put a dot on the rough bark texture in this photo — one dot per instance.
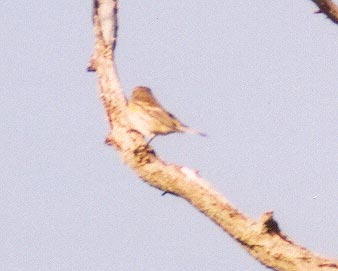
[329, 8]
[261, 238]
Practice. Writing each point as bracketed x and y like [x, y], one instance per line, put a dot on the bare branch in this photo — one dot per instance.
[329, 8]
[261, 238]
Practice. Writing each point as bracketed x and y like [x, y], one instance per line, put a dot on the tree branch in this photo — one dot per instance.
[329, 8]
[261, 238]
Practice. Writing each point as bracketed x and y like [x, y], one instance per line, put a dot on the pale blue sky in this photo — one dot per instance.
[260, 78]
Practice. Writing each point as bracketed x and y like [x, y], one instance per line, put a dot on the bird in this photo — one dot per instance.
[149, 117]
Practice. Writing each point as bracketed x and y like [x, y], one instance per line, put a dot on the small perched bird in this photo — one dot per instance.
[150, 118]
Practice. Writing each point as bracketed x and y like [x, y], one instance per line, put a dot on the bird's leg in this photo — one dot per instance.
[142, 152]
[152, 137]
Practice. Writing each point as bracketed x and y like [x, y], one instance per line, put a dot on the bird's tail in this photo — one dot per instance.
[186, 129]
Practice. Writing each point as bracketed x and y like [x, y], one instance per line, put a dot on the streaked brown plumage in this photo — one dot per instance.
[150, 118]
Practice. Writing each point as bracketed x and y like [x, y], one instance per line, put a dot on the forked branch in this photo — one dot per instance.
[329, 8]
[262, 238]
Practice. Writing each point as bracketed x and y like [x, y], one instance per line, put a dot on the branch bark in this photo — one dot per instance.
[329, 8]
[262, 238]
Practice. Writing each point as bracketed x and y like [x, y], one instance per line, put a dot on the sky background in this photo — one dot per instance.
[259, 78]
